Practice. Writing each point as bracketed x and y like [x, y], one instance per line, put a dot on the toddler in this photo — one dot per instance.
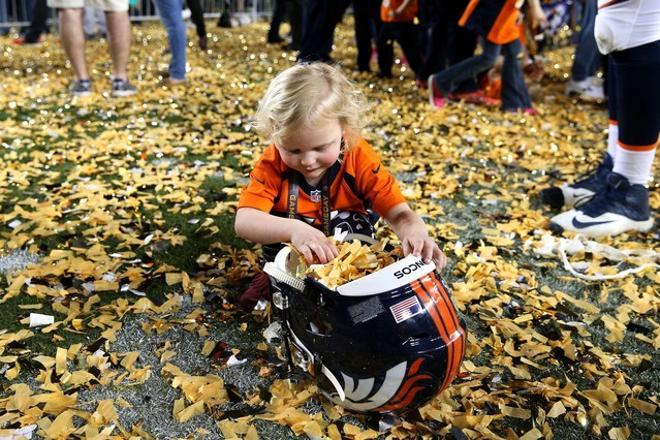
[319, 174]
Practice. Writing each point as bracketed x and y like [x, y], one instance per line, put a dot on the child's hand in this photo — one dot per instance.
[312, 243]
[421, 245]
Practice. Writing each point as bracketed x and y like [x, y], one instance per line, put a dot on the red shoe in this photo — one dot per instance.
[259, 288]
[435, 95]
[22, 42]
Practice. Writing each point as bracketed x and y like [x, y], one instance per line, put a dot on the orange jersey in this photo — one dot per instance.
[388, 6]
[356, 183]
[494, 19]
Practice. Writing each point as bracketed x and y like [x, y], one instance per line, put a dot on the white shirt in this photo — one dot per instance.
[623, 24]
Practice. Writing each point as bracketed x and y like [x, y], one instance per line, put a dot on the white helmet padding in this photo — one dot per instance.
[395, 275]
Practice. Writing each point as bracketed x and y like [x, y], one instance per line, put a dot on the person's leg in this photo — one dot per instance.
[197, 17]
[314, 21]
[335, 10]
[385, 49]
[514, 90]
[447, 80]
[38, 24]
[279, 12]
[3, 15]
[623, 204]
[461, 43]
[586, 50]
[437, 39]
[638, 106]
[408, 39]
[119, 40]
[73, 40]
[170, 13]
[362, 34]
[613, 126]
[295, 10]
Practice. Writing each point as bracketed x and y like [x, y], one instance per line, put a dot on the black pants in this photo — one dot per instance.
[320, 19]
[406, 35]
[295, 9]
[197, 16]
[279, 13]
[38, 24]
[634, 93]
[367, 26]
[445, 42]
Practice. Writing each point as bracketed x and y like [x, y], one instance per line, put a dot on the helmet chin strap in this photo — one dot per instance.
[282, 276]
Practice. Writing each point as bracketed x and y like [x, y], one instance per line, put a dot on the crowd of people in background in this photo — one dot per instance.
[452, 47]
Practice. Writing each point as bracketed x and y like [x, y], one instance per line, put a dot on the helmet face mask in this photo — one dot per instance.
[388, 341]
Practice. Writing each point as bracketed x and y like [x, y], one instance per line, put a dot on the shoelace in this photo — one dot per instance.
[562, 247]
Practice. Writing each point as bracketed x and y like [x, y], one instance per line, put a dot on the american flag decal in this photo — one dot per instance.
[406, 309]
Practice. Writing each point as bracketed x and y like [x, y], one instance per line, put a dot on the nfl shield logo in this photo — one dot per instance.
[315, 195]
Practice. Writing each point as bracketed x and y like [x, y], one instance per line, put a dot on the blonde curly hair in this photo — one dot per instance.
[305, 94]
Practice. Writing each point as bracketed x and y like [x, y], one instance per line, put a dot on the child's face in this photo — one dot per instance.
[311, 150]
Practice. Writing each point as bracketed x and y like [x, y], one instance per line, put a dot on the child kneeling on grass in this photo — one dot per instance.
[319, 174]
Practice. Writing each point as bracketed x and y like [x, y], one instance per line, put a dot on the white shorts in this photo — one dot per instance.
[103, 5]
[625, 24]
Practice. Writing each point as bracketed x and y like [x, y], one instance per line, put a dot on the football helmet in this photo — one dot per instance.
[388, 341]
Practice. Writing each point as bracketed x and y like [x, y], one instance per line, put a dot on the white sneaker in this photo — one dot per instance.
[619, 208]
[587, 90]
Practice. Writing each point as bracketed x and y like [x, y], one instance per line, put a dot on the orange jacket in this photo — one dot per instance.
[357, 182]
[496, 20]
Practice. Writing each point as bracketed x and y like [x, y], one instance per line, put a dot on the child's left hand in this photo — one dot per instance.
[423, 246]
[414, 237]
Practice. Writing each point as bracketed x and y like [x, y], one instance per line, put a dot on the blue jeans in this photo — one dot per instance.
[3, 13]
[170, 14]
[514, 89]
[587, 58]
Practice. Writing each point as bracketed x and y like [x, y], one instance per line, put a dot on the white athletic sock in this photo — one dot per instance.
[635, 165]
[612, 136]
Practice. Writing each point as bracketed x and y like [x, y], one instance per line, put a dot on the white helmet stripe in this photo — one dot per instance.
[393, 379]
[365, 386]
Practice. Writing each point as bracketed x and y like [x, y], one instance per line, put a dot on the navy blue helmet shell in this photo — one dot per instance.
[389, 341]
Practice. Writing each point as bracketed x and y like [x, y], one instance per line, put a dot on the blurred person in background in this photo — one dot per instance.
[72, 36]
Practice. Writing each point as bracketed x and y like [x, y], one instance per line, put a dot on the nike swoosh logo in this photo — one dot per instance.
[580, 225]
[375, 170]
[263, 182]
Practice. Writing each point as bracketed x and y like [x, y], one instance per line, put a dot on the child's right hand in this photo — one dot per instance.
[312, 243]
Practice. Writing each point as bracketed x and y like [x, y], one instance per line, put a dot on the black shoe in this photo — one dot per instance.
[582, 191]
[620, 207]
[82, 87]
[121, 88]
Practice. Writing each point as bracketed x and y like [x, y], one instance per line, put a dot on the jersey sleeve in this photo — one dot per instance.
[374, 181]
[265, 182]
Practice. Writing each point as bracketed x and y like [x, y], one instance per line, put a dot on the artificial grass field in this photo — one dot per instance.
[128, 205]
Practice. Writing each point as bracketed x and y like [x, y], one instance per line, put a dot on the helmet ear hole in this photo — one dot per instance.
[320, 327]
